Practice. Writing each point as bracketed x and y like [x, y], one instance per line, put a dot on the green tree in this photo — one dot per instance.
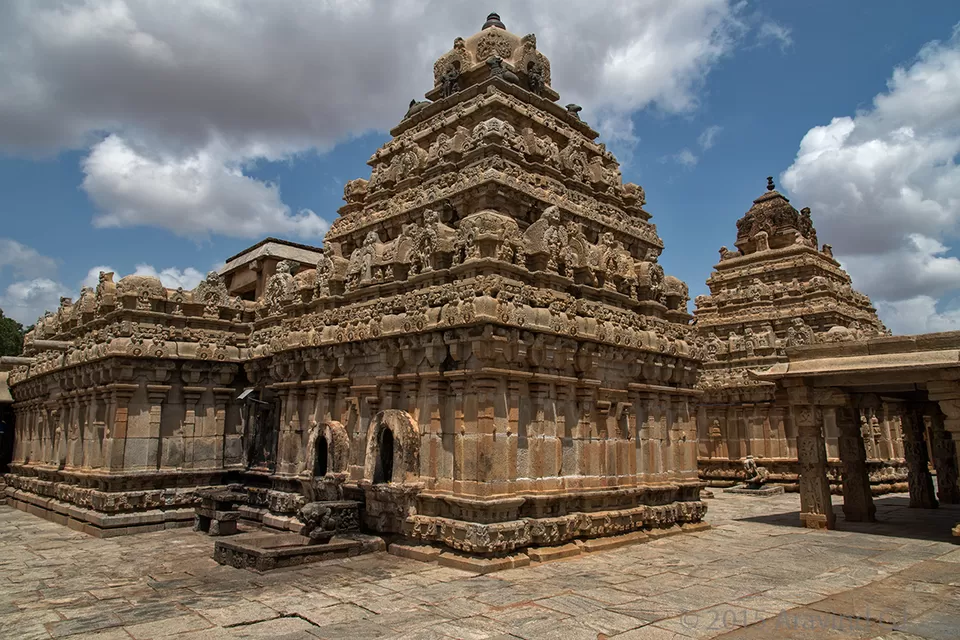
[11, 336]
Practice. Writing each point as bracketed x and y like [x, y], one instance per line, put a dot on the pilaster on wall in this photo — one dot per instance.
[190, 428]
[118, 410]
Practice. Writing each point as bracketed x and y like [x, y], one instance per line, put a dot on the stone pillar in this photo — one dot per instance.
[944, 457]
[857, 498]
[885, 448]
[918, 464]
[947, 394]
[816, 508]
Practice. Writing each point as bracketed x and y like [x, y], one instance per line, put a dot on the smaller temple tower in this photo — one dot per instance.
[777, 289]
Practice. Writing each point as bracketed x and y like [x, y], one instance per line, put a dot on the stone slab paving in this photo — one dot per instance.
[756, 574]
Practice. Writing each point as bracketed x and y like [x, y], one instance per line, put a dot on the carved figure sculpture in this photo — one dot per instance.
[535, 81]
[763, 241]
[362, 261]
[212, 292]
[715, 431]
[574, 110]
[318, 522]
[450, 81]
[280, 287]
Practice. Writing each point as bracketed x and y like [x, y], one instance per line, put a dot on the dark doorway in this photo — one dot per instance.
[320, 464]
[6, 436]
[384, 468]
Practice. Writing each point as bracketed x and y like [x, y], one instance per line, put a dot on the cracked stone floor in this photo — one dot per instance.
[756, 574]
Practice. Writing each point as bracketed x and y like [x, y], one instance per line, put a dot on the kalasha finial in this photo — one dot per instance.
[493, 20]
[770, 185]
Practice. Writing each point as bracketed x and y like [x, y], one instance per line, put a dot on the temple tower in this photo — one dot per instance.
[491, 297]
[487, 354]
[778, 289]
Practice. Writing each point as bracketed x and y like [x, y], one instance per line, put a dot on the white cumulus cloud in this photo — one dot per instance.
[27, 300]
[709, 137]
[176, 101]
[24, 261]
[918, 315]
[771, 32]
[171, 277]
[206, 192]
[884, 186]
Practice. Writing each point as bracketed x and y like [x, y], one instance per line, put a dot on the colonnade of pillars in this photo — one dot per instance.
[808, 408]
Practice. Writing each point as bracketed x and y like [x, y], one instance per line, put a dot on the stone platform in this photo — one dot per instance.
[266, 551]
[760, 492]
[483, 565]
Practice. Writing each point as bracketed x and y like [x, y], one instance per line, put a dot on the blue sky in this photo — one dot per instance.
[132, 143]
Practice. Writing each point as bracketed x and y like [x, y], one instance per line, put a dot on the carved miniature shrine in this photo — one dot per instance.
[486, 355]
[778, 290]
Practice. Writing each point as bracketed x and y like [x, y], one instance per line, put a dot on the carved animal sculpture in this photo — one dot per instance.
[497, 70]
[319, 525]
[415, 107]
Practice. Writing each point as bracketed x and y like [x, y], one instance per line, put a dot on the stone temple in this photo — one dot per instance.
[484, 363]
[485, 354]
[780, 289]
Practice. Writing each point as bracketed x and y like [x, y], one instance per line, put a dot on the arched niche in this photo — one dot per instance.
[328, 449]
[393, 448]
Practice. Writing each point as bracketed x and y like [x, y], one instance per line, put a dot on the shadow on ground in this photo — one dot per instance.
[894, 518]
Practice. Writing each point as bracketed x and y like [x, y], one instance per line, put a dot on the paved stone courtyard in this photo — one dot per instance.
[756, 574]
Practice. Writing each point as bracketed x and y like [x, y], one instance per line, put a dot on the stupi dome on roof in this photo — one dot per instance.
[773, 213]
[469, 59]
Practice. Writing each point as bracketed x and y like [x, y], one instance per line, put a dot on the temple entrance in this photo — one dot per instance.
[384, 469]
[320, 460]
